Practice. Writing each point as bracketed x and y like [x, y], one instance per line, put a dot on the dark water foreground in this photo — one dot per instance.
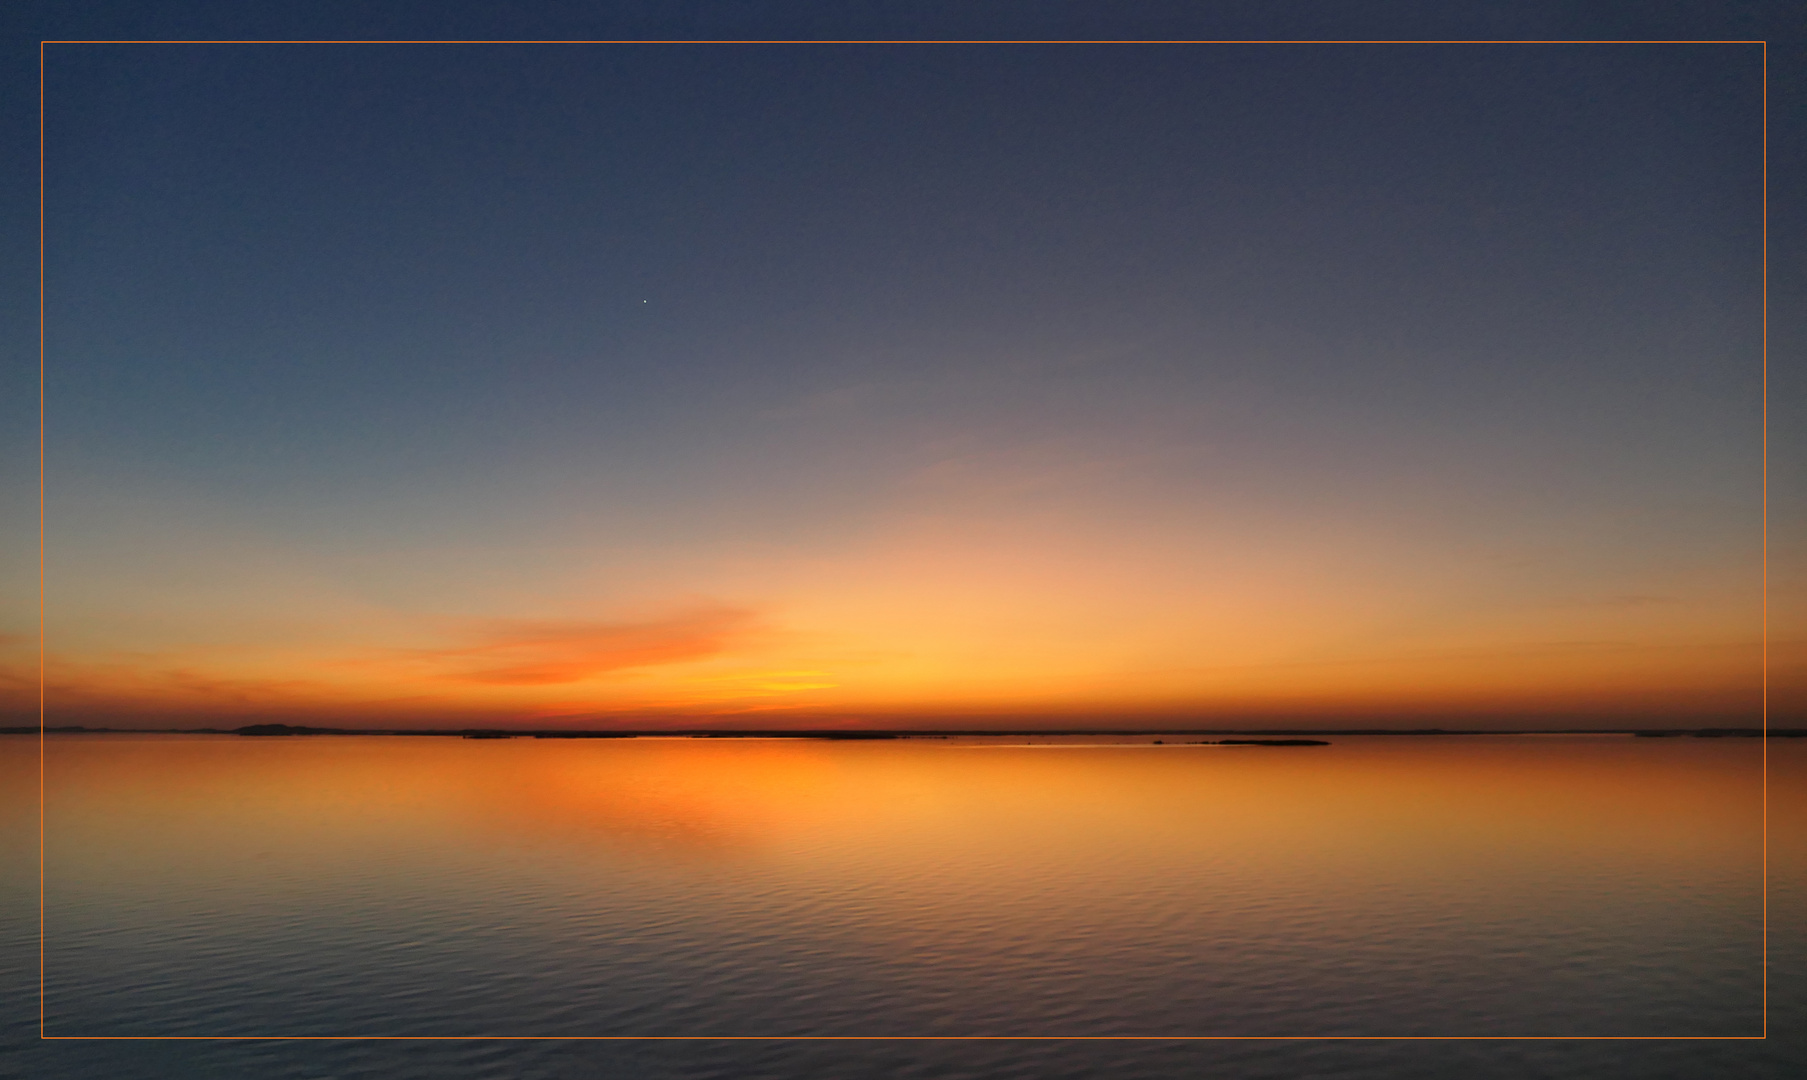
[1483, 886]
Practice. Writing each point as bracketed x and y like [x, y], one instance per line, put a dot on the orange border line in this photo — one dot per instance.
[41, 540]
[1763, 742]
[904, 41]
[902, 1037]
[1764, 587]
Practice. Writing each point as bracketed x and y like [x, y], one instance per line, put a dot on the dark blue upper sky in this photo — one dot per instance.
[268, 243]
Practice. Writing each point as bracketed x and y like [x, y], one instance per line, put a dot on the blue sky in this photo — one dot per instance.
[1450, 351]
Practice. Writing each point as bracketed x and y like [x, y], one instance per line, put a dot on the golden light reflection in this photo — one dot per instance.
[1362, 802]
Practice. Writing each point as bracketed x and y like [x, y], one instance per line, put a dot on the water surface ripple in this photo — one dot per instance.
[356, 886]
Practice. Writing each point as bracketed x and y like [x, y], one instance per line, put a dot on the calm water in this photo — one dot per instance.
[1532, 885]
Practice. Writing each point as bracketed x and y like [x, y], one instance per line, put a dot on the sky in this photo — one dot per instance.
[925, 385]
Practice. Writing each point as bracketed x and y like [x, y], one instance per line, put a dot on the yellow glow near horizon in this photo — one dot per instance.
[956, 620]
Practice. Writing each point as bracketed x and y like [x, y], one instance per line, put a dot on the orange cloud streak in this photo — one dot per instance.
[516, 652]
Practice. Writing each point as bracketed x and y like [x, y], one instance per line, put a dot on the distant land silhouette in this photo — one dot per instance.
[1258, 737]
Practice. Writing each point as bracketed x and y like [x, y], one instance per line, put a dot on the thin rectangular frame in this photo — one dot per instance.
[1764, 559]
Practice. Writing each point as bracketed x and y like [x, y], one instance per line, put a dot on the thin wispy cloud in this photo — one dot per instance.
[529, 652]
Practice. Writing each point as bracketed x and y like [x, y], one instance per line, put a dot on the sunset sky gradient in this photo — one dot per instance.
[910, 385]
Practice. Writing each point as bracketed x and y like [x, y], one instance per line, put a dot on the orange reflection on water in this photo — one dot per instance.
[961, 870]
[1377, 798]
